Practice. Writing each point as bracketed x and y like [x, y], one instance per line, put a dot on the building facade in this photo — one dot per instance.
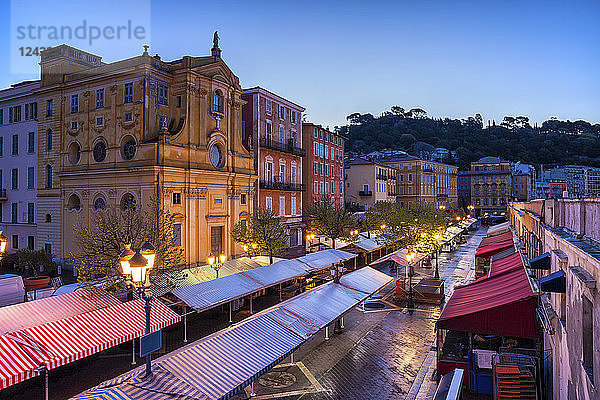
[125, 132]
[568, 230]
[578, 180]
[18, 165]
[323, 169]
[424, 181]
[521, 186]
[464, 190]
[367, 182]
[273, 130]
[491, 185]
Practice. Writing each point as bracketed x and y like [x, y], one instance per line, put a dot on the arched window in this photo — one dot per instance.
[49, 140]
[218, 102]
[127, 202]
[74, 203]
[48, 218]
[48, 177]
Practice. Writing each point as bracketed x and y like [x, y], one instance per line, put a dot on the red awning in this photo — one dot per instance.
[493, 248]
[495, 239]
[64, 341]
[506, 264]
[502, 304]
[37, 312]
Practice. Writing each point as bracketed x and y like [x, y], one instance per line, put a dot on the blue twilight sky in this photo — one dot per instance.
[452, 58]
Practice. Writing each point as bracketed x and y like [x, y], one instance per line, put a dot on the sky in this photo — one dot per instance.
[452, 58]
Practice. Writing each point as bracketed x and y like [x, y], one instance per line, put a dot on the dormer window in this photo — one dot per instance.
[218, 102]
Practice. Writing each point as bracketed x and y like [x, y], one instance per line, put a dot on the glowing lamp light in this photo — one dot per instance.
[211, 259]
[3, 242]
[254, 246]
[458, 218]
[148, 251]
[139, 266]
[423, 234]
[410, 257]
[124, 258]
[222, 258]
[383, 226]
[437, 237]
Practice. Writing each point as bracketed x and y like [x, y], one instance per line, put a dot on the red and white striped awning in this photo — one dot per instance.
[64, 341]
[32, 313]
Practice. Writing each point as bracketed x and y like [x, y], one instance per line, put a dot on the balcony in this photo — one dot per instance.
[289, 147]
[381, 177]
[3, 195]
[365, 193]
[278, 184]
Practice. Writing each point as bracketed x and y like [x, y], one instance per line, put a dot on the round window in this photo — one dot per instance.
[216, 156]
[129, 149]
[99, 151]
[74, 153]
[99, 204]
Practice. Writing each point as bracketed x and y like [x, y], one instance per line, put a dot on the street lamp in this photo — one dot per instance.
[383, 226]
[3, 242]
[437, 271]
[337, 271]
[410, 304]
[135, 267]
[216, 263]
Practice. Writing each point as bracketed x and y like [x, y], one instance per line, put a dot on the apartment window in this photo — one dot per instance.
[15, 178]
[293, 117]
[30, 111]
[293, 210]
[48, 248]
[269, 106]
[269, 130]
[1, 116]
[332, 187]
[49, 107]
[281, 112]
[326, 187]
[1, 146]
[99, 121]
[30, 213]
[243, 198]
[177, 234]
[216, 240]
[326, 152]
[15, 241]
[281, 205]
[366, 188]
[13, 212]
[15, 145]
[128, 93]
[293, 174]
[410, 177]
[74, 103]
[341, 187]
[30, 242]
[315, 133]
[30, 142]
[14, 114]
[30, 177]
[163, 95]
[320, 149]
[99, 98]
[128, 117]
[321, 190]
[281, 135]
[269, 203]
[588, 337]
[176, 198]
[269, 171]
[315, 148]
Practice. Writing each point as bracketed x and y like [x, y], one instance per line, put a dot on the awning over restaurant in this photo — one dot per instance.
[222, 364]
[540, 262]
[500, 304]
[496, 239]
[399, 257]
[494, 244]
[53, 308]
[506, 264]
[209, 294]
[556, 282]
[60, 342]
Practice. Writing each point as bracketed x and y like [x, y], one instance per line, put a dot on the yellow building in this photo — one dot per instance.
[491, 185]
[142, 127]
[368, 182]
[425, 181]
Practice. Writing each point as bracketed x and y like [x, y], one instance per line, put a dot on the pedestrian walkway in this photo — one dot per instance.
[382, 353]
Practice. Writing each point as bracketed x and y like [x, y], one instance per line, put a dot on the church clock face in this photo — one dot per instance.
[216, 156]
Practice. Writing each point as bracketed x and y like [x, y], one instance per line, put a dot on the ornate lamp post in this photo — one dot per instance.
[135, 267]
[216, 263]
[411, 303]
[437, 271]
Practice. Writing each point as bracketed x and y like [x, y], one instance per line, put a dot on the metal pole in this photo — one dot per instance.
[250, 304]
[252, 386]
[185, 324]
[133, 351]
[437, 272]
[149, 356]
[46, 383]
[280, 292]
[411, 303]
[230, 320]
[342, 322]
[292, 358]
[327, 333]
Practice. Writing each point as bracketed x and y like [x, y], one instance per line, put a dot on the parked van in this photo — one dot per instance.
[12, 290]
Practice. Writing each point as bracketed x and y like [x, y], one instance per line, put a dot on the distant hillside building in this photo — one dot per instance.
[577, 181]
